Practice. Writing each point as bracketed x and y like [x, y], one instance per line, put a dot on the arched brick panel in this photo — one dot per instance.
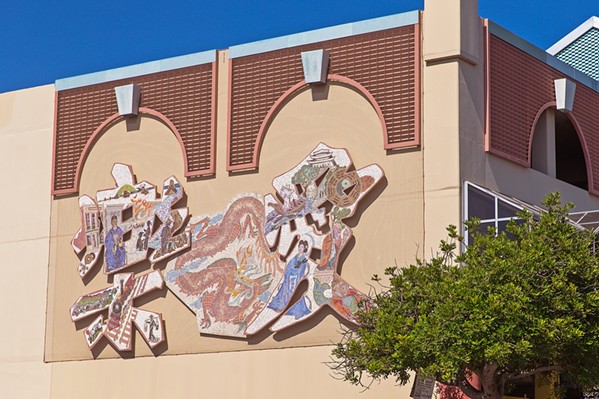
[292, 92]
[519, 88]
[185, 97]
[111, 120]
[386, 63]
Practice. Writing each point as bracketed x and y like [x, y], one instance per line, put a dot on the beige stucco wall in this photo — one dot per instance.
[452, 54]
[26, 118]
[295, 373]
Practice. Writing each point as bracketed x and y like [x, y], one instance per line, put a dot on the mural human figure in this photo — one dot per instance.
[139, 246]
[151, 324]
[115, 249]
[165, 236]
[144, 235]
[331, 246]
[295, 271]
[147, 233]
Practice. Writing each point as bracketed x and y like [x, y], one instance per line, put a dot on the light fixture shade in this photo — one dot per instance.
[564, 94]
[127, 98]
[316, 66]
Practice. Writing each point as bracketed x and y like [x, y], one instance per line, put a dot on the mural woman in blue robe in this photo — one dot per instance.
[115, 249]
[294, 273]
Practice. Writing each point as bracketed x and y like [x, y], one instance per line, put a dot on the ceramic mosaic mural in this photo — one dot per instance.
[241, 267]
[128, 224]
[233, 277]
[118, 299]
[104, 228]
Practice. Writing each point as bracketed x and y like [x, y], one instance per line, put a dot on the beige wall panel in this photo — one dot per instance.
[290, 374]
[27, 110]
[23, 374]
[25, 160]
[23, 309]
[25, 380]
[441, 151]
[26, 118]
[446, 14]
[388, 230]
[453, 107]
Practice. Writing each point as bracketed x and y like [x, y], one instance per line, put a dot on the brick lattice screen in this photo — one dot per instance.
[383, 62]
[184, 96]
[519, 86]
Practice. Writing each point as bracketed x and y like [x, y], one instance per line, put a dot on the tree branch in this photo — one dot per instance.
[517, 376]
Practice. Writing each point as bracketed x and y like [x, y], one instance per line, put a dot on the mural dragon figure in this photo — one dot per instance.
[239, 295]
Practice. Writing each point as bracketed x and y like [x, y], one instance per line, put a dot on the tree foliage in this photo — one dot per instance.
[509, 306]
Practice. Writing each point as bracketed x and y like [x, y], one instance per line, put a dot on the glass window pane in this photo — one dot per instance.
[480, 204]
[504, 210]
[483, 228]
[501, 227]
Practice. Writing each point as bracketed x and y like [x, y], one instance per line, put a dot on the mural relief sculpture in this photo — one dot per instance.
[243, 265]
[102, 224]
[118, 299]
[226, 277]
[233, 277]
[104, 228]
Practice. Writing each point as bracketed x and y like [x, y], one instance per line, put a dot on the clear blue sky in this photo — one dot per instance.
[41, 41]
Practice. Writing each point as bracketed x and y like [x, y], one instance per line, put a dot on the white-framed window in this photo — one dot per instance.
[493, 209]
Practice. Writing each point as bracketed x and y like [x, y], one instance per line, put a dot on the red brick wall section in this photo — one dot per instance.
[184, 96]
[383, 62]
[519, 86]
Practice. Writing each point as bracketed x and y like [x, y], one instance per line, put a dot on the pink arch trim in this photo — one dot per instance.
[292, 91]
[101, 130]
[583, 143]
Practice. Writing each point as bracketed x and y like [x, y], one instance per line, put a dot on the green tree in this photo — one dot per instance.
[509, 306]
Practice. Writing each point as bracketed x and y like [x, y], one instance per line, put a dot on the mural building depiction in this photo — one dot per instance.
[237, 269]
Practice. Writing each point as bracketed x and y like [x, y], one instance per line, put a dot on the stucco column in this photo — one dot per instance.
[453, 94]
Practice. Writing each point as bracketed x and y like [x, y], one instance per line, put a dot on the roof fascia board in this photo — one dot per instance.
[131, 71]
[320, 35]
[564, 42]
[542, 56]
